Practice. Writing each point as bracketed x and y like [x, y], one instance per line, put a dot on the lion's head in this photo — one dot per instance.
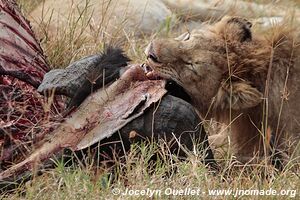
[210, 64]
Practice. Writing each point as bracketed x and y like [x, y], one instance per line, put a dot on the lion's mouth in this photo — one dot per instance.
[150, 72]
[172, 86]
[155, 69]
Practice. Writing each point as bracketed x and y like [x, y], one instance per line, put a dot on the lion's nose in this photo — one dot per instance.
[150, 53]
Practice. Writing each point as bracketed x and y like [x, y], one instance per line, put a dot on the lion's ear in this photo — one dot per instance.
[237, 96]
[234, 29]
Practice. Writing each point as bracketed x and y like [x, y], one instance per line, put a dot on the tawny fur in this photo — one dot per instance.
[250, 81]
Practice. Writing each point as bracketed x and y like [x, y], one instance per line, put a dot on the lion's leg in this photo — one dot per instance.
[218, 136]
[250, 144]
[245, 139]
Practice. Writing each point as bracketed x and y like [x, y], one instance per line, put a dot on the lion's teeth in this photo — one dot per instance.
[146, 68]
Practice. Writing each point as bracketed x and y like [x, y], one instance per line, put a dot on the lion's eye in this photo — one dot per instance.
[183, 37]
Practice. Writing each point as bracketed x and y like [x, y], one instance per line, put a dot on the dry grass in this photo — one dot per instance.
[78, 182]
[140, 173]
[78, 39]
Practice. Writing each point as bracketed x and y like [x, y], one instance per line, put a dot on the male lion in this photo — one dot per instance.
[245, 80]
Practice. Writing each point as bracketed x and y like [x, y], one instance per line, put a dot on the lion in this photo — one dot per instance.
[247, 81]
